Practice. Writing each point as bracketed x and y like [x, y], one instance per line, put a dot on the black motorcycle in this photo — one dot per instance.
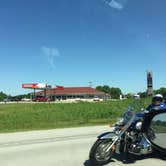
[134, 133]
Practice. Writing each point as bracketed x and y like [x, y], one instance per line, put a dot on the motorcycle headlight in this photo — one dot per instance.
[138, 125]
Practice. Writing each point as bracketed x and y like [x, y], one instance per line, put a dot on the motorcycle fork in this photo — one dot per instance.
[112, 146]
[118, 138]
[126, 142]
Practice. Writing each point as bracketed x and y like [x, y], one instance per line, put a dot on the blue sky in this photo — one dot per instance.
[73, 42]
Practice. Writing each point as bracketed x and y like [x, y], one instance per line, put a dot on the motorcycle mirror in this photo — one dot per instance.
[154, 128]
[157, 129]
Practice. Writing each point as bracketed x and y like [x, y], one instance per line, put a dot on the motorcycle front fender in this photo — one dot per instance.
[108, 135]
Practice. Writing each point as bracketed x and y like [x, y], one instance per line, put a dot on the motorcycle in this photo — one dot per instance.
[134, 133]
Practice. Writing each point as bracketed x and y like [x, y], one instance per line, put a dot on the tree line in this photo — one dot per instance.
[112, 91]
[162, 90]
[4, 96]
[116, 92]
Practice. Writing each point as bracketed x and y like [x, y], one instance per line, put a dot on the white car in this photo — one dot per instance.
[25, 99]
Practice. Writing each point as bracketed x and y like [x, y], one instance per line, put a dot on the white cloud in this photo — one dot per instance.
[51, 54]
[116, 4]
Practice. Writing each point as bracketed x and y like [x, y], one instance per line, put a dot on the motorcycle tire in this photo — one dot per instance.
[98, 155]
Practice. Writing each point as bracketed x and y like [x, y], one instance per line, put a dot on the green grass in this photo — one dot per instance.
[23, 117]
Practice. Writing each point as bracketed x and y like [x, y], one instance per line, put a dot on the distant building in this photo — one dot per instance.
[74, 93]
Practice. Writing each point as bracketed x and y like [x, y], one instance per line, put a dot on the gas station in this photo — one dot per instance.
[60, 93]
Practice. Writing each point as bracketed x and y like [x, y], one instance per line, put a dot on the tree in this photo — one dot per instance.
[115, 93]
[143, 94]
[100, 88]
[106, 89]
[129, 95]
[160, 91]
[19, 97]
[2, 96]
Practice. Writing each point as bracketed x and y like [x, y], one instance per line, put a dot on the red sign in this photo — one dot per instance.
[36, 86]
[29, 86]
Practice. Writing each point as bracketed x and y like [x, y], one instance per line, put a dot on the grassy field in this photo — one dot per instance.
[35, 116]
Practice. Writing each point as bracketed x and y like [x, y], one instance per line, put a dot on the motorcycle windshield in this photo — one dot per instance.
[132, 112]
[128, 119]
[128, 116]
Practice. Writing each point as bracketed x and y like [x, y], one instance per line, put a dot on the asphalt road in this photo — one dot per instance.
[61, 147]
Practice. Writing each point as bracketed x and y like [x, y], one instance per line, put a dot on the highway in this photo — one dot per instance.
[59, 147]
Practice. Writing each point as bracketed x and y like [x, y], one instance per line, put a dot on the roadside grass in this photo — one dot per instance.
[39, 116]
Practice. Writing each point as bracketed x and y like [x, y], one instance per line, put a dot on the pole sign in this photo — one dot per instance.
[149, 80]
[149, 84]
[36, 86]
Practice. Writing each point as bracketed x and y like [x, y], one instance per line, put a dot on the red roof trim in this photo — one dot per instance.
[74, 90]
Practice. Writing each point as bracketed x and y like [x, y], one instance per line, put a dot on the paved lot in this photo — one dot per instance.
[62, 147]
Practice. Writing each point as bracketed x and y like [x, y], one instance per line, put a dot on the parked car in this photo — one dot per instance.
[25, 99]
[97, 99]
